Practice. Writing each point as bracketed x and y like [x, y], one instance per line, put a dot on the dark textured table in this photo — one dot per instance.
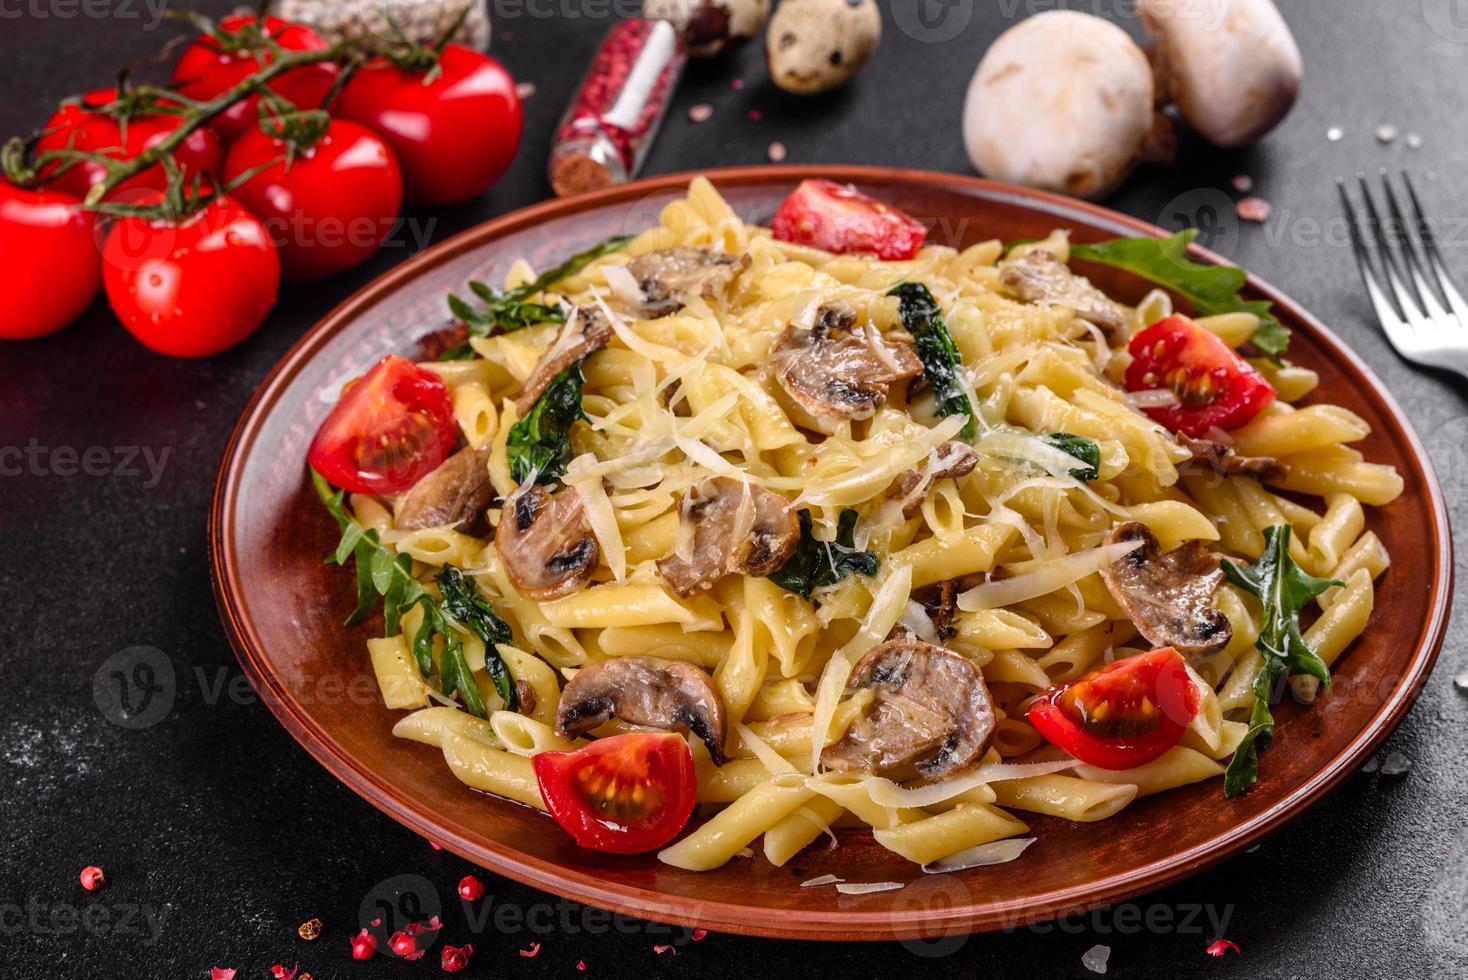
[220, 835]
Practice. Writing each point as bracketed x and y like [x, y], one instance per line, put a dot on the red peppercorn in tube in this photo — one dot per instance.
[610, 125]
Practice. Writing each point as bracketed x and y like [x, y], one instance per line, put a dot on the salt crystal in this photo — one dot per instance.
[1386, 133]
[700, 113]
[1254, 209]
[1094, 959]
[777, 151]
[1335, 134]
[1461, 681]
[525, 89]
[1414, 141]
[1396, 764]
[1372, 764]
[1243, 183]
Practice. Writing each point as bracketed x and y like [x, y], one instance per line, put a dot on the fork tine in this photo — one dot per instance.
[1393, 272]
[1429, 246]
[1392, 324]
[1419, 269]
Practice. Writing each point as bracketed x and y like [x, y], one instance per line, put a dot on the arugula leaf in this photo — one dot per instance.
[818, 563]
[923, 318]
[1083, 449]
[380, 573]
[1211, 289]
[1284, 590]
[540, 443]
[508, 310]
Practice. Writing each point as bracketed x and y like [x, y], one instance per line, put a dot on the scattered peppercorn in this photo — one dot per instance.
[310, 929]
[92, 878]
[471, 889]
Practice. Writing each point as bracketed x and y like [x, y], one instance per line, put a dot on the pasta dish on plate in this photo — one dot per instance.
[818, 526]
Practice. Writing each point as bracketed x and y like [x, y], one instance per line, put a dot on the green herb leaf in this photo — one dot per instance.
[819, 563]
[461, 601]
[540, 443]
[508, 310]
[1083, 449]
[1211, 289]
[1284, 589]
[922, 318]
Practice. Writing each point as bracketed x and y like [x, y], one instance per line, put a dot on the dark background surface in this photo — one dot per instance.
[220, 835]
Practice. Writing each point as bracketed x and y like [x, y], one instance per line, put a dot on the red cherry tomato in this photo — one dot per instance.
[330, 206]
[1214, 385]
[454, 135]
[392, 427]
[49, 258]
[625, 795]
[1124, 715]
[85, 125]
[839, 218]
[209, 67]
[192, 288]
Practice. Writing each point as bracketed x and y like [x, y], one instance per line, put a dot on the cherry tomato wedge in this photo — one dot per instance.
[627, 794]
[839, 218]
[209, 67]
[1214, 385]
[392, 427]
[49, 254]
[1124, 715]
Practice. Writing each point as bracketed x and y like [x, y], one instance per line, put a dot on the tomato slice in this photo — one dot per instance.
[1124, 715]
[392, 427]
[624, 795]
[1214, 385]
[839, 218]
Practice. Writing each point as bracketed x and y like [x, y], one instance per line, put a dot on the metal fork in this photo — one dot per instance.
[1421, 311]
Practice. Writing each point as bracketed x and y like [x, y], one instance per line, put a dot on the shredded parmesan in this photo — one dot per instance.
[868, 887]
[994, 852]
[884, 792]
[820, 880]
[1056, 574]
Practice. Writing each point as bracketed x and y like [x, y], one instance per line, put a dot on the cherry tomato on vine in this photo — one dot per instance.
[625, 795]
[1124, 715]
[98, 123]
[211, 65]
[195, 287]
[328, 205]
[1214, 385]
[839, 218]
[392, 427]
[48, 254]
[454, 134]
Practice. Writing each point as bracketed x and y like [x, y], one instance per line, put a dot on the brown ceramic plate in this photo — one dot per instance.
[283, 611]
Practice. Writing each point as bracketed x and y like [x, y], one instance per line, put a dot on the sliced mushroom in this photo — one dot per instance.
[545, 542]
[931, 715]
[586, 329]
[730, 526]
[837, 371]
[940, 603]
[434, 345]
[1169, 598]
[948, 462]
[454, 493]
[669, 694]
[671, 277]
[1039, 277]
[1225, 462]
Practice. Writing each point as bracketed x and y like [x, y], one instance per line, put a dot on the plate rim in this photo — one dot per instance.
[756, 920]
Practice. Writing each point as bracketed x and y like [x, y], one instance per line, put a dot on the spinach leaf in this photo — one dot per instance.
[1211, 289]
[922, 318]
[380, 573]
[1083, 449]
[819, 563]
[540, 443]
[508, 310]
[1284, 590]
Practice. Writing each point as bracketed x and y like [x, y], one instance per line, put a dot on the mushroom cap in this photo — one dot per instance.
[672, 277]
[1039, 277]
[545, 542]
[836, 369]
[931, 716]
[736, 527]
[1061, 101]
[586, 329]
[1234, 76]
[1168, 597]
[455, 492]
[667, 694]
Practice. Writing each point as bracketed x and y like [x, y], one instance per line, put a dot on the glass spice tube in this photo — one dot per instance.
[609, 127]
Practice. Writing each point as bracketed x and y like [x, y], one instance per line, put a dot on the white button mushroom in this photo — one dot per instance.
[814, 46]
[710, 27]
[1233, 73]
[1061, 101]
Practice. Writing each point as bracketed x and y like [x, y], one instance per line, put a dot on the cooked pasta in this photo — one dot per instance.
[766, 525]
